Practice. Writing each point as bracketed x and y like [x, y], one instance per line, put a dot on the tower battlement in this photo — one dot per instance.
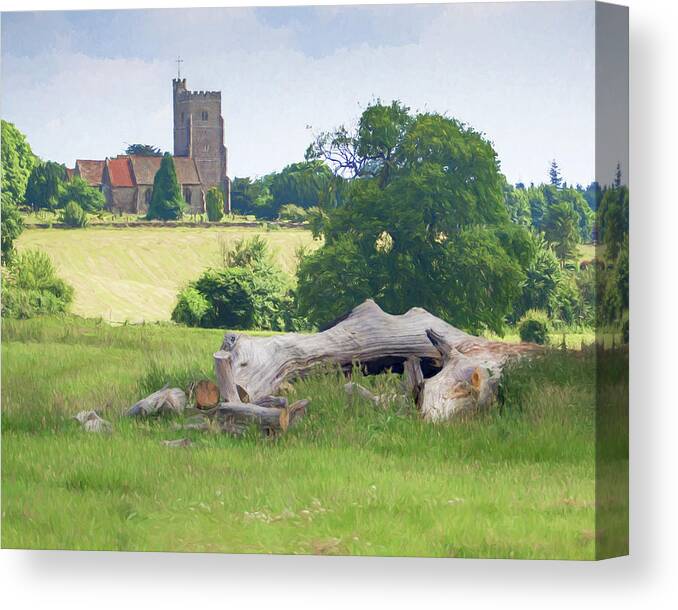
[199, 131]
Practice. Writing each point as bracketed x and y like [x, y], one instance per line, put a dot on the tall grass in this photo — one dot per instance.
[350, 479]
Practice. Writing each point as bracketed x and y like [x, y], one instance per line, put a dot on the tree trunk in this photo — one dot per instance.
[468, 368]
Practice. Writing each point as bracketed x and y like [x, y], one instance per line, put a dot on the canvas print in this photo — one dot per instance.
[345, 280]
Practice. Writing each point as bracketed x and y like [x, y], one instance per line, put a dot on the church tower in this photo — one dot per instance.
[199, 133]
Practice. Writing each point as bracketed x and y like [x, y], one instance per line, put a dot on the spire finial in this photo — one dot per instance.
[179, 62]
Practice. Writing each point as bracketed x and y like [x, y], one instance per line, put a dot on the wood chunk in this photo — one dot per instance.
[206, 394]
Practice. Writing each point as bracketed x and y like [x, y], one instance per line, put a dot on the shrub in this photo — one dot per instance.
[191, 307]
[86, 196]
[244, 298]
[214, 205]
[292, 212]
[32, 288]
[248, 292]
[73, 215]
[534, 327]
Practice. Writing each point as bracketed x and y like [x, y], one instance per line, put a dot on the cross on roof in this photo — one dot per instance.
[179, 62]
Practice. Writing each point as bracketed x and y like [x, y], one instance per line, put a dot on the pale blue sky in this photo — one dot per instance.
[82, 84]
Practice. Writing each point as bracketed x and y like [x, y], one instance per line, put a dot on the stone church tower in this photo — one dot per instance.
[199, 134]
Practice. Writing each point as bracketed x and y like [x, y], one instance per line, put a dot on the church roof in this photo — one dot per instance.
[90, 171]
[145, 168]
[120, 172]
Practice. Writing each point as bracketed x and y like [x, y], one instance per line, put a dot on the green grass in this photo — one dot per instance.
[134, 274]
[517, 482]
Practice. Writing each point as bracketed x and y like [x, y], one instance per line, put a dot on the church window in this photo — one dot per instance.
[147, 196]
[182, 117]
[204, 115]
[205, 147]
[187, 195]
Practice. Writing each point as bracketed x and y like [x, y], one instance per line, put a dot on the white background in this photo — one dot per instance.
[646, 579]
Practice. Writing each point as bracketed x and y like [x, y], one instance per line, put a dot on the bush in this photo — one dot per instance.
[292, 212]
[86, 196]
[31, 287]
[73, 215]
[248, 292]
[534, 327]
[214, 205]
[244, 298]
[191, 307]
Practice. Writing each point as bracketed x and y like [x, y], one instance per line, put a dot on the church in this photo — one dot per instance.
[200, 159]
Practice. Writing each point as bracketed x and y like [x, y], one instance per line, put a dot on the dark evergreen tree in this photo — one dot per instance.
[143, 150]
[554, 175]
[166, 202]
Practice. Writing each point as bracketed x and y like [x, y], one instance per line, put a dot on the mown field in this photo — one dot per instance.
[134, 274]
[518, 482]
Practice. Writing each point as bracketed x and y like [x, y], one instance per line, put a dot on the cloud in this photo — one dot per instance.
[521, 73]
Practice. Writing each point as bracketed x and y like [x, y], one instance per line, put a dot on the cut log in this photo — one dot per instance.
[164, 401]
[206, 394]
[236, 417]
[377, 340]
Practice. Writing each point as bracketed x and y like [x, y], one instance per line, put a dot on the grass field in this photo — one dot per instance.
[134, 274]
[518, 482]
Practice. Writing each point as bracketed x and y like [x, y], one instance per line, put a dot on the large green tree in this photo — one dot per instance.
[424, 223]
[252, 197]
[561, 228]
[301, 184]
[45, 186]
[166, 201]
[16, 163]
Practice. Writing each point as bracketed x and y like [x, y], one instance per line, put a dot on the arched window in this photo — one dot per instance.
[147, 196]
[187, 195]
[204, 115]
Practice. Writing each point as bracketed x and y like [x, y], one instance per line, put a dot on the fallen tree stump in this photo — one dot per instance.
[463, 370]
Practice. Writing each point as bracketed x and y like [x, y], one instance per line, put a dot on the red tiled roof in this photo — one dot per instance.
[90, 171]
[120, 172]
[145, 168]
[70, 173]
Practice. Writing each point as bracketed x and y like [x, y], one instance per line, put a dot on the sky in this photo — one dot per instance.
[84, 84]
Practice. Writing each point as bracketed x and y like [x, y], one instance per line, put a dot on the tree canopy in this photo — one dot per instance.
[424, 223]
[143, 150]
[17, 162]
[45, 185]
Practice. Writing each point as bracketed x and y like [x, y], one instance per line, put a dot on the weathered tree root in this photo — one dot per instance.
[467, 368]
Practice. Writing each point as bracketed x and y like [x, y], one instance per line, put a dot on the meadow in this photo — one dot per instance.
[134, 274]
[516, 482]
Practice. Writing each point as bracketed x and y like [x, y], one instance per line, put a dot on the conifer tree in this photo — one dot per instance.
[554, 175]
[166, 202]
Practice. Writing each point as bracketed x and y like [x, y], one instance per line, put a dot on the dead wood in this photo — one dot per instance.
[467, 368]
[206, 394]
